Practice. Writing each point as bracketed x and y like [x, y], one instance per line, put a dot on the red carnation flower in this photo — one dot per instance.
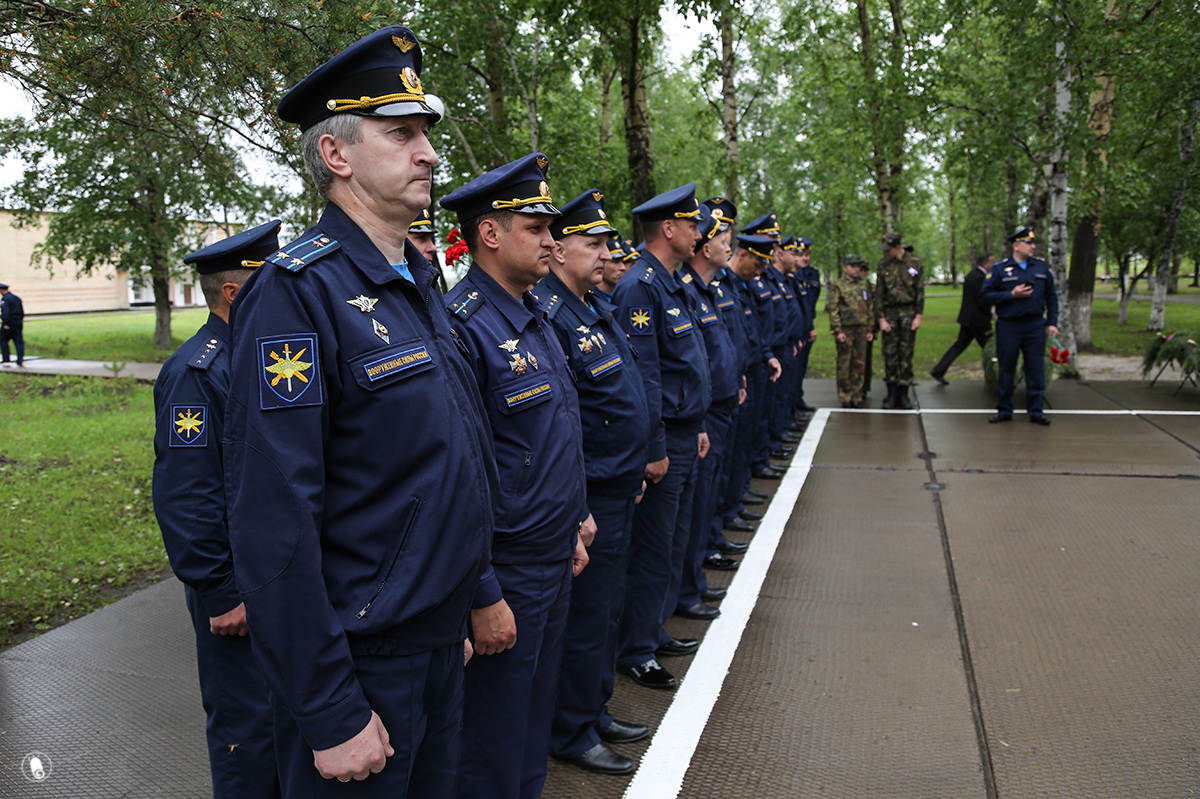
[456, 251]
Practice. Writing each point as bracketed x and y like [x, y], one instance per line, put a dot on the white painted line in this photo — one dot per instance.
[1017, 413]
[665, 764]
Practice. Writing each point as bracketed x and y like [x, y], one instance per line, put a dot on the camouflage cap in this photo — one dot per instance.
[889, 240]
[854, 260]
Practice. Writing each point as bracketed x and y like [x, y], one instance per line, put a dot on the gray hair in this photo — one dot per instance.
[343, 127]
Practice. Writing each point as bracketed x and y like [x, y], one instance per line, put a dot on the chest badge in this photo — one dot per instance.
[363, 303]
[674, 311]
[380, 330]
[511, 345]
[584, 329]
[585, 345]
[532, 359]
[518, 364]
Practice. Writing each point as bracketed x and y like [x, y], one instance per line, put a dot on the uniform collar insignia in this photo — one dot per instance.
[363, 303]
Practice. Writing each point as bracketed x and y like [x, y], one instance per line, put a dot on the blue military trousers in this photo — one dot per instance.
[419, 700]
[585, 683]
[237, 703]
[1025, 338]
[718, 424]
[510, 696]
[660, 534]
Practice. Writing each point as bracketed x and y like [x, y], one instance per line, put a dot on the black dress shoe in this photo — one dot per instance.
[699, 612]
[1037, 418]
[790, 438]
[730, 548]
[804, 407]
[781, 453]
[623, 732]
[750, 499]
[768, 473]
[651, 675]
[740, 526]
[1000, 417]
[676, 647]
[942, 381]
[602, 760]
[750, 492]
[713, 594]
[750, 516]
[721, 564]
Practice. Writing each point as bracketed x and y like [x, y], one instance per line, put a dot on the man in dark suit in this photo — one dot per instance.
[974, 318]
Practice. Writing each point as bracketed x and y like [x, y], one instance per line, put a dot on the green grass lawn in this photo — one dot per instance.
[126, 336]
[77, 523]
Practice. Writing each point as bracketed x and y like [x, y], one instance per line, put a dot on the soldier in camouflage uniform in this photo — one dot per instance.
[900, 301]
[852, 315]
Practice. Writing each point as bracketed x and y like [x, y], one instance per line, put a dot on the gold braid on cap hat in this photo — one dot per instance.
[413, 94]
[252, 264]
[687, 214]
[567, 231]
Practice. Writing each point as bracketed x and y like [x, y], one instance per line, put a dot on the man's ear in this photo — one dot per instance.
[490, 234]
[333, 152]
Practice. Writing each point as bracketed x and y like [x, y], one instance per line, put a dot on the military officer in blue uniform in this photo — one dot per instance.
[619, 259]
[809, 277]
[358, 457]
[727, 378]
[189, 502]
[652, 306]
[423, 236]
[774, 320]
[616, 437]
[505, 217]
[791, 256]
[1021, 288]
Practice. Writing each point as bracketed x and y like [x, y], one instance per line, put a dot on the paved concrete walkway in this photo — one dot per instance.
[934, 608]
[62, 366]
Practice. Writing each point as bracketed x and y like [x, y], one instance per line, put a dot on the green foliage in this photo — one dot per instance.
[77, 520]
[1178, 349]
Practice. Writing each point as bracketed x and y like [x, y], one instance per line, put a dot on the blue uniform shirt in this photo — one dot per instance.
[189, 488]
[653, 308]
[531, 400]
[1007, 274]
[724, 371]
[612, 400]
[804, 321]
[12, 310]
[359, 470]
[757, 299]
[737, 319]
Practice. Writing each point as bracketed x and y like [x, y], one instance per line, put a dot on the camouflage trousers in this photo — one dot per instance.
[898, 346]
[852, 363]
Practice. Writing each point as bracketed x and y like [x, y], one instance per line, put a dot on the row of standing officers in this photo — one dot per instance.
[529, 475]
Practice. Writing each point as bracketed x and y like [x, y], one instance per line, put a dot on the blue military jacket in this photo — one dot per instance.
[1006, 274]
[724, 372]
[653, 308]
[189, 488]
[780, 310]
[12, 310]
[738, 320]
[810, 276]
[612, 400]
[804, 317]
[359, 470]
[531, 399]
[756, 300]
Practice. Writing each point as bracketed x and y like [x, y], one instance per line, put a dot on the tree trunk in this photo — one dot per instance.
[882, 169]
[162, 305]
[638, 150]
[1058, 196]
[729, 116]
[606, 106]
[1158, 307]
[1124, 290]
[953, 239]
[1081, 283]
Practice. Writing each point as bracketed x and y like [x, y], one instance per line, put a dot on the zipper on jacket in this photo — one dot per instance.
[412, 520]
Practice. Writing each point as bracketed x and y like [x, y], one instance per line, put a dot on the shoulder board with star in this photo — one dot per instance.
[467, 304]
[647, 276]
[205, 353]
[303, 252]
[1003, 262]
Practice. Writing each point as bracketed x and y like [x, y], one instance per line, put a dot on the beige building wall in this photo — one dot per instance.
[58, 290]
